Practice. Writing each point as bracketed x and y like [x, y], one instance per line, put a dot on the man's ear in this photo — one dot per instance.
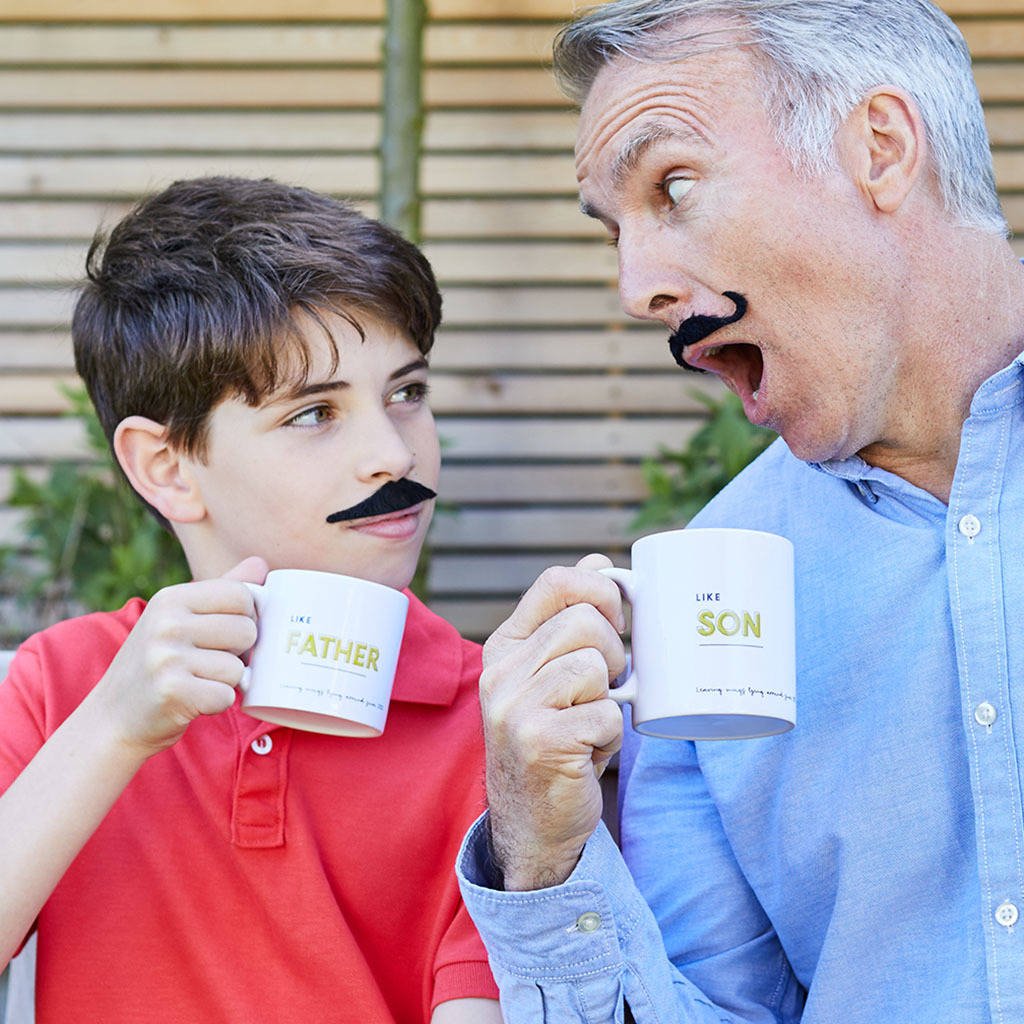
[883, 142]
[157, 470]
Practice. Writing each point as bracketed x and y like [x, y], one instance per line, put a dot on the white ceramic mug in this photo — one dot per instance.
[713, 634]
[326, 652]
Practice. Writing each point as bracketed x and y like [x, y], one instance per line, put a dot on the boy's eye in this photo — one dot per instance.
[677, 188]
[415, 391]
[311, 417]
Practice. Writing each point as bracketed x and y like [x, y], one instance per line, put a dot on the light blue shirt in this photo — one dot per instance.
[865, 868]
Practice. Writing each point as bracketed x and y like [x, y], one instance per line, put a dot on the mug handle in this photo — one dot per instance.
[625, 690]
[257, 590]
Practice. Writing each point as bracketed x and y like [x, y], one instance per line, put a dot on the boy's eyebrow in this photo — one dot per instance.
[416, 364]
[319, 387]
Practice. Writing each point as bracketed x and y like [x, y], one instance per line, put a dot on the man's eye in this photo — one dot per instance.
[676, 189]
[416, 391]
[311, 417]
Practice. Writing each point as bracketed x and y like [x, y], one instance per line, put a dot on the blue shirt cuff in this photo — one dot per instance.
[575, 929]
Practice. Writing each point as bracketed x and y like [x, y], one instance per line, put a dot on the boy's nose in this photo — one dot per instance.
[384, 453]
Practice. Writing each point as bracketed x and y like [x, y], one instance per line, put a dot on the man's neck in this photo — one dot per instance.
[974, 329]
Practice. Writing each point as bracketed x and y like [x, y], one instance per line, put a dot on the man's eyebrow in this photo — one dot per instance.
[635, 149]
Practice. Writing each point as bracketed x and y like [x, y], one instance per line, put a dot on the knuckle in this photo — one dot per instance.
[556, 579]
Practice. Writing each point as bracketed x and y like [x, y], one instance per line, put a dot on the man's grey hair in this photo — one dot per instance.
[820, 58]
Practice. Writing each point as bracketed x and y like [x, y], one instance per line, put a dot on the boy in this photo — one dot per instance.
[257, 356]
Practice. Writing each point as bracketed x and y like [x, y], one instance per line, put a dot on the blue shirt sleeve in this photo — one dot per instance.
[574, 952]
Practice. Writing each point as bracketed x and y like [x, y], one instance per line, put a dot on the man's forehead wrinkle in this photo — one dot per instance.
[661, 111]
[635, 148]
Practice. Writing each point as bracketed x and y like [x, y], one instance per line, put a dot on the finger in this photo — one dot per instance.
[218, 595]
[210, 696]
[216, 631]
[217, 667]
[599, 723]
[575, 678]
[560, 587]
[513, 670]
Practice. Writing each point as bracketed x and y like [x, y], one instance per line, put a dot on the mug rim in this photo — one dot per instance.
[732, 530]
[339, 576]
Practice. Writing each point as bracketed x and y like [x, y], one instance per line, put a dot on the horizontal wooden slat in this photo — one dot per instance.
[636, 347]
[268, 10]
[551, 262]
[271, 88]
[35, 350]
[227, 45]
[495, 485]
[353, 175]
[326, 10]
[1005, 125]
[275, 88]
[999, 38]
[999, 81]
[476, 262]
[35, 393]
[569, 529]
[569, 438]
[475, 617]
[455, 574]
[975, 8]
[509, 217]
[33, 438]
[321, 131]
[97, 131]
[131, 176]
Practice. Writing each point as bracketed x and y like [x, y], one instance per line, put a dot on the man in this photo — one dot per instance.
[825, 164]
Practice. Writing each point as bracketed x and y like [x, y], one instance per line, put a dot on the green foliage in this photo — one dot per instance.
[682, 482]
[89, 543]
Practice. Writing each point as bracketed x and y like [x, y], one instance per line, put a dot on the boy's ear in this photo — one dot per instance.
[884, 138]
[157, 470]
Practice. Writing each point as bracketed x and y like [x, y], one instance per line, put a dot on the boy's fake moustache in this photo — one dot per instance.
[394, 496]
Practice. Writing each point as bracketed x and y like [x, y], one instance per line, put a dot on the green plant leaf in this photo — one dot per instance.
[680, 482]
[88, 543]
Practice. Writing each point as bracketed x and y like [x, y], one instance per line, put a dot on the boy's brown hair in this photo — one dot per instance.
[192, 297]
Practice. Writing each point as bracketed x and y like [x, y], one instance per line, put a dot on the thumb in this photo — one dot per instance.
[250, 570]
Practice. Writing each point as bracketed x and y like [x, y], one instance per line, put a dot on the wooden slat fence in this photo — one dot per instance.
[546, 396]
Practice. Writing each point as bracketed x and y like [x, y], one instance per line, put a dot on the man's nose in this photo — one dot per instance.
[652, 286]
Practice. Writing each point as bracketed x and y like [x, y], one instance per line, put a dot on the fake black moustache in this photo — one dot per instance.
[392, 497]
[697, 328]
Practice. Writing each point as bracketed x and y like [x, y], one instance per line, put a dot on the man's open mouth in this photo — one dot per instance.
[739, 364]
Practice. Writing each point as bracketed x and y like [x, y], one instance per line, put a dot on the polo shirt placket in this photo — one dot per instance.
[261, 785]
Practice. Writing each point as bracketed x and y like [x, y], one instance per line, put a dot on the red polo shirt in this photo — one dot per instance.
[254, 873]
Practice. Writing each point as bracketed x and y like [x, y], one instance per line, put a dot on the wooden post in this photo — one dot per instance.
[402, 116]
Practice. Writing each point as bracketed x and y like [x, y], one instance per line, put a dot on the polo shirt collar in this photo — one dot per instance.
[430, 662]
